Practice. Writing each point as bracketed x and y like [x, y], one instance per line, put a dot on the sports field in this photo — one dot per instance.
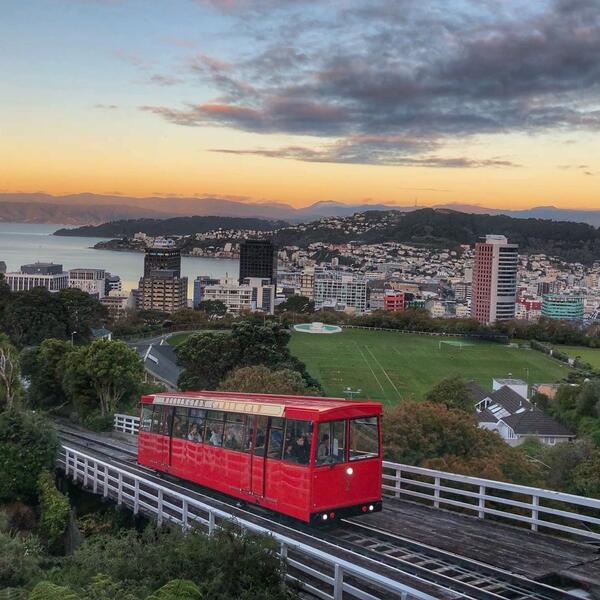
[390, 366]
[590, 355]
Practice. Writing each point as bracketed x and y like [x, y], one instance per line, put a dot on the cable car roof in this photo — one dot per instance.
[271, 405]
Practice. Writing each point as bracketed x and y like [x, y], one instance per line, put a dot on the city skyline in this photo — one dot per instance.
[301, 101]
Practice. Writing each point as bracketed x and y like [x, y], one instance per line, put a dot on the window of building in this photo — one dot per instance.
[331, 444]
[364, 438]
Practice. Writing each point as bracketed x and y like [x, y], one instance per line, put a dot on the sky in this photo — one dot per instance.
[298, 101]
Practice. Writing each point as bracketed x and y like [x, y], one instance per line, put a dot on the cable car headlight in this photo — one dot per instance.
[371, 507]
[349, 470]
[324, 517]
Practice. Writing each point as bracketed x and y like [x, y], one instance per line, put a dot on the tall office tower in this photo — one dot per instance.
[162, 287]
[159, 258]
[258, 258]
[494, 289]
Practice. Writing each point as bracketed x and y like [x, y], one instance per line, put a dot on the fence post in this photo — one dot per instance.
[211, 522]
[338, 583]
[535, 503]
[120, 490]
[436, 493]
[136, 496]
[85, 472]
[481, 513]
[398, 484]
[159, 507]
[95, 477]
[105, 493]
[184, 514]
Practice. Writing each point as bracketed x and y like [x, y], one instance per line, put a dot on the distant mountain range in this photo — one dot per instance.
[94, 209]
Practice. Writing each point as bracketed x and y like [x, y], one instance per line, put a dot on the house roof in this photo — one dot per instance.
[161, 362]
[100, 332]
[477, 392]
[508, 399]
[535, 422]
[485, 416]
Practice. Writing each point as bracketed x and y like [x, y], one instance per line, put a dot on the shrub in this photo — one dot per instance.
[96, 421]
[20, 558]
[54, 510]
[28, 445]
[50, 591]
[178, 589]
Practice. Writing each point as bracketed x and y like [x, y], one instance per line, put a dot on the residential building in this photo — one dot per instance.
[160, 364]
[494, 288]
[253, 294]
[163, 290]
[338, 289]
[514, 417]
[199, 284]
[91, 281]
[118, 304]
[48, 275]
[113, 284]
[258, 258]
[567, 307]
[307, 283]
[393, 300]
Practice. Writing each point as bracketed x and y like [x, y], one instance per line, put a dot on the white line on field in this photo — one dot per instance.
[370, 368]
[384, 371]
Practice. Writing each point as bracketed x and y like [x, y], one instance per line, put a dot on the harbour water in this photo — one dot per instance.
[23, 243]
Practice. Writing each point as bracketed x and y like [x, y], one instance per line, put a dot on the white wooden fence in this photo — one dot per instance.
[540, 509]
[321, 574]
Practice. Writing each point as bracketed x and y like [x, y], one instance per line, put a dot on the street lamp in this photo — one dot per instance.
[72, 334]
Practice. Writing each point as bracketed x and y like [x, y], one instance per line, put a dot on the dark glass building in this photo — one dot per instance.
[162, 259]
[258, 258]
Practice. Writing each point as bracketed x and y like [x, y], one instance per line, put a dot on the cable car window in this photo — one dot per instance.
[165, 420]
[234, 431]
[331, 447]
[275, 438]
[260, 436]
[156, 418]
[215, 421]
[298, 437]
[146, 417]
[364, 438]
[195, 425]
[180, 423]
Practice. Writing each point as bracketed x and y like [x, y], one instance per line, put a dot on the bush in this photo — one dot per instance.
[54, 510]
[178, 589]
[28, 446]
[96, 421]
[50, 591]
[20, 559]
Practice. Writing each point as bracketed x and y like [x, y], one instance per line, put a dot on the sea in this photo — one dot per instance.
[23, 243]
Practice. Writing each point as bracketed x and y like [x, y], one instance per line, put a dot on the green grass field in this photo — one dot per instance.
[591, 355]
[389, 366]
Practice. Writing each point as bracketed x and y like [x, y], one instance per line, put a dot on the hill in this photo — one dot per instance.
[574, 242]
[173, 226]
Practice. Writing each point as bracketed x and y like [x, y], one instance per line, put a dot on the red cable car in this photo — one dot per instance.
[315, 459]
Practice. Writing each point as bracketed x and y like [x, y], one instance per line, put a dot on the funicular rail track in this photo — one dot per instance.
[442, 574]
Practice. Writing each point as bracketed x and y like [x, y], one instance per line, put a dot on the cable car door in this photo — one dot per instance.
[258, 459]
[165, 436]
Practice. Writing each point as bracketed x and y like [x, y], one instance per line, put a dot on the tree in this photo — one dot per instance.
[206, 358]
[20, 558]
[212, 308]
[10, 373]
[33, 316]
[82, 311]
[45, 368]
[431, 435]
[28, 446]
[261, 379]
[297, 304]
[110, 368]
[452, 392]
[46, 590]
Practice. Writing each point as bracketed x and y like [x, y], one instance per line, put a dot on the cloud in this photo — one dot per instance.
[165, 80]
[397, 82]
[106, 106]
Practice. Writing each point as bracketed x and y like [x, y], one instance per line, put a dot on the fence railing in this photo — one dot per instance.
[126, 424]
[536, 508]
[319, 573]
[540, 509]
